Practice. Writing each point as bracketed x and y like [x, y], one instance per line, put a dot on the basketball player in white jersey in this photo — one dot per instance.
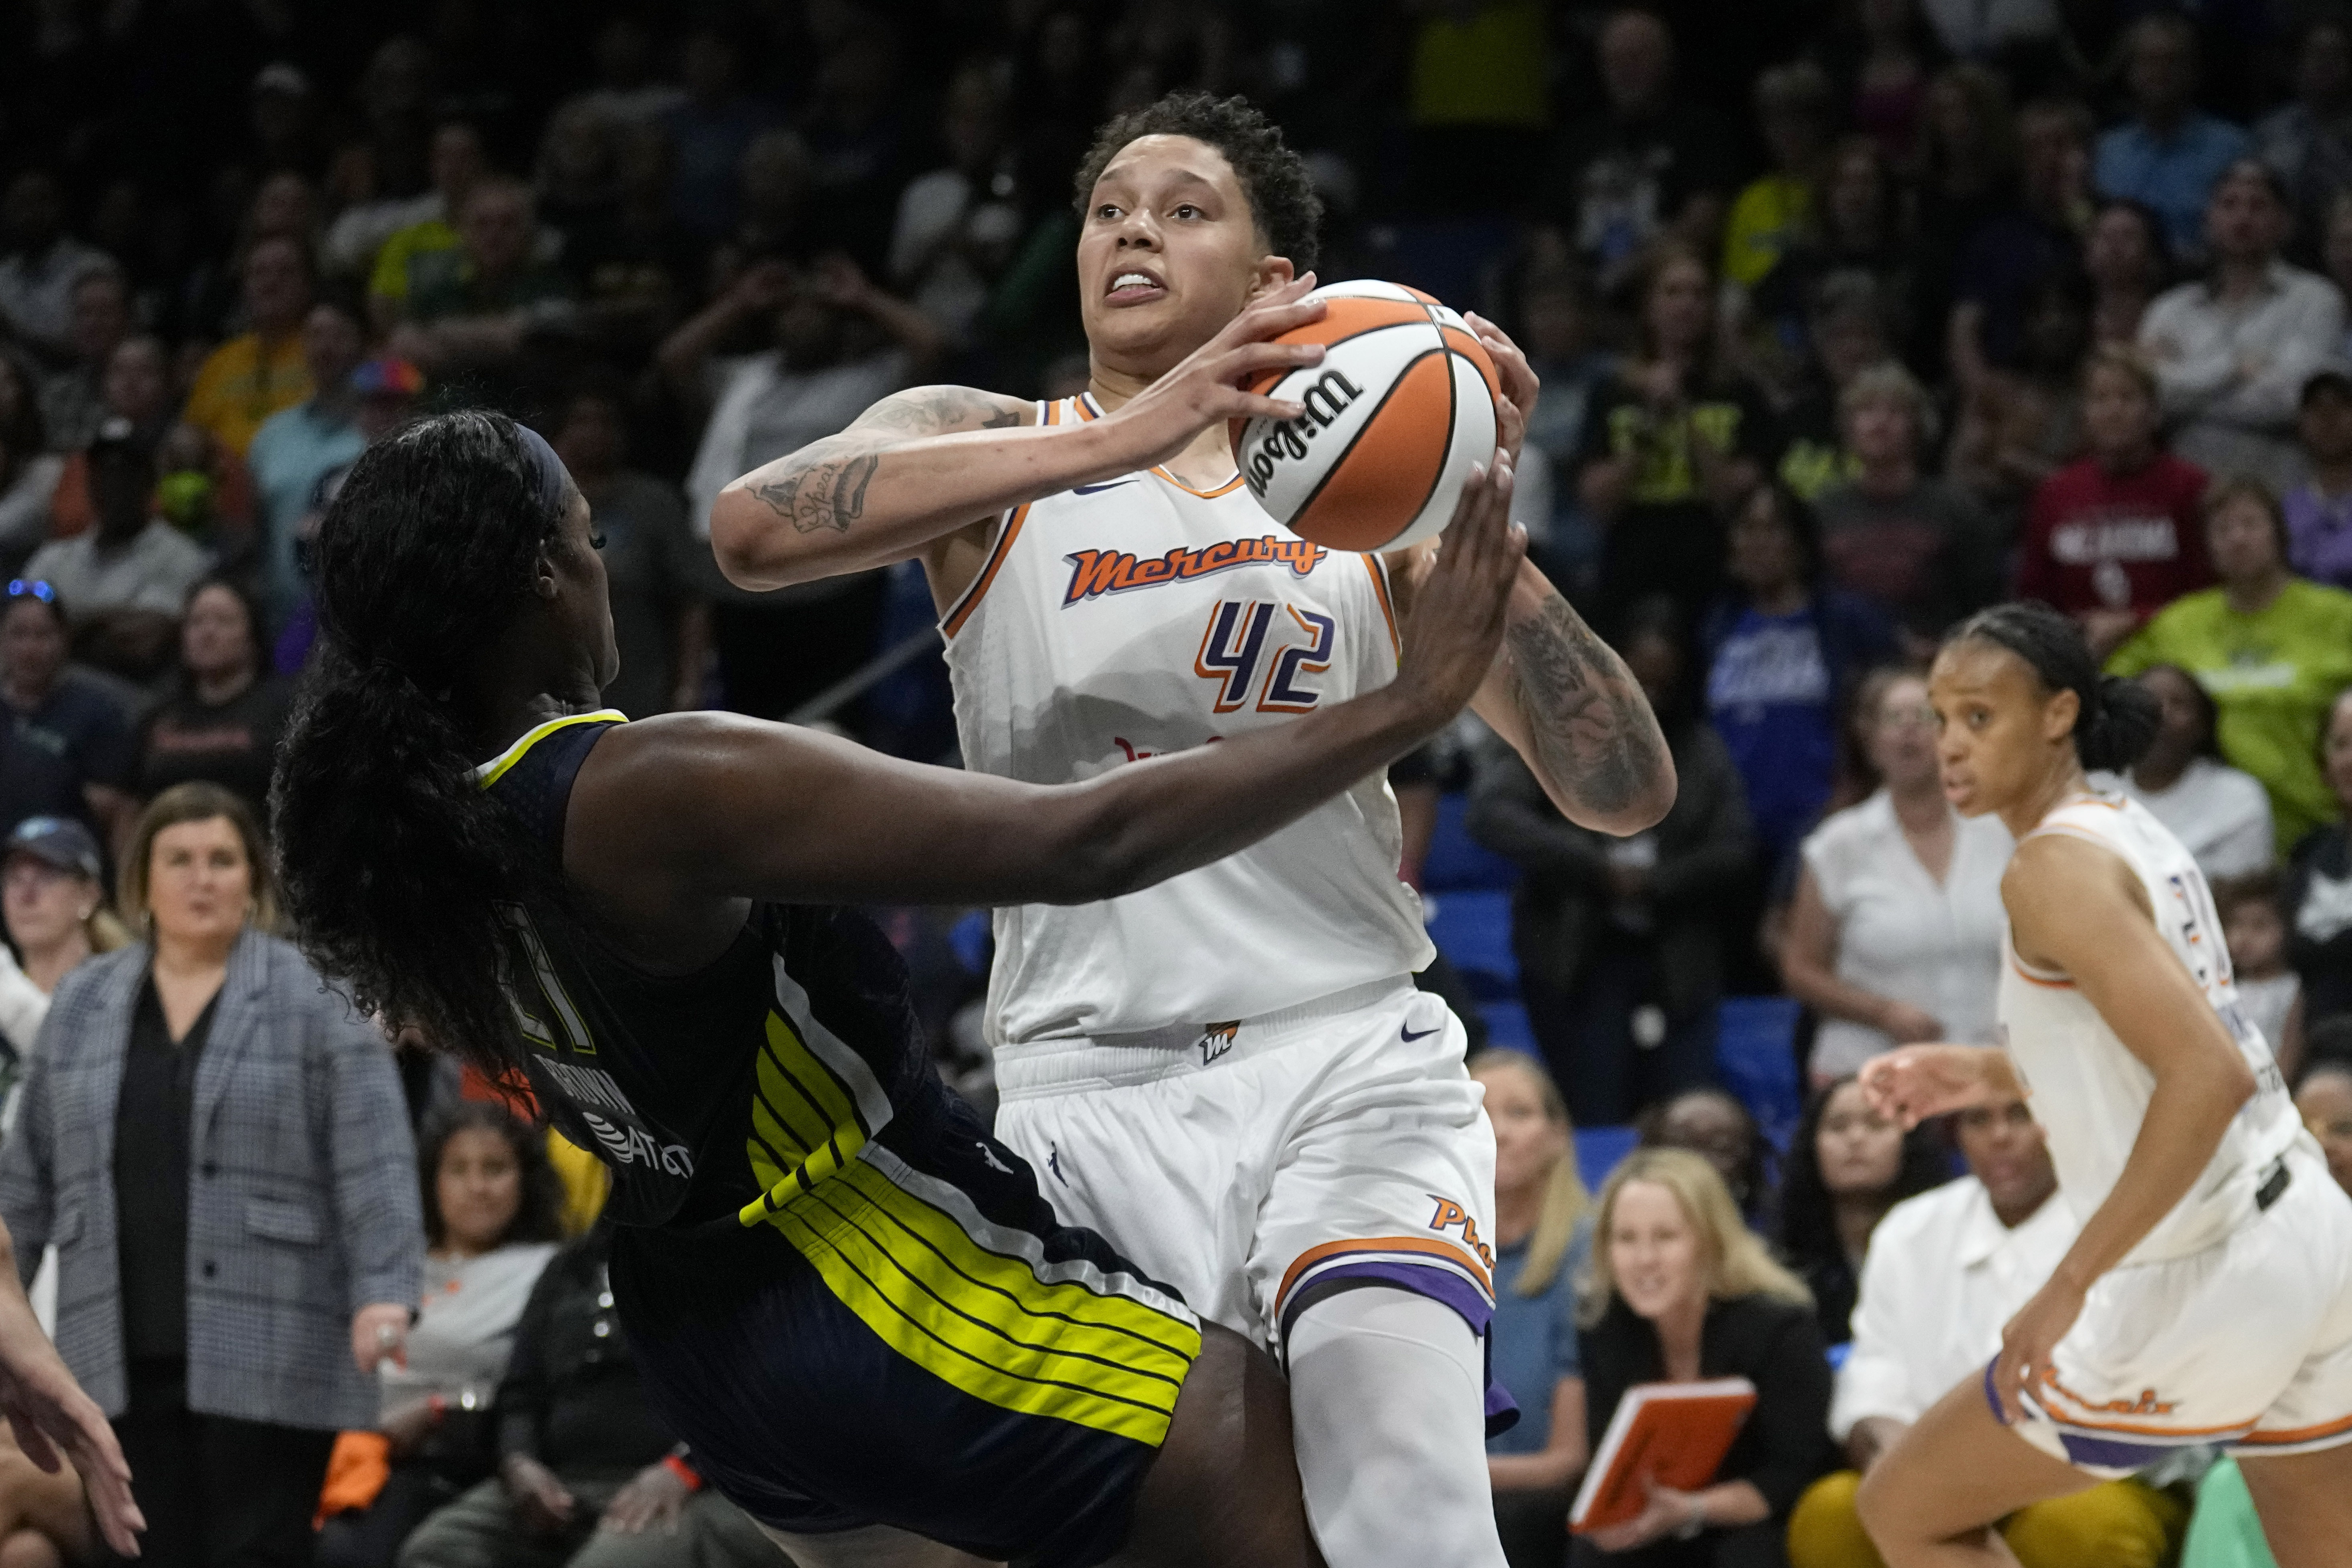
[1231, 1073]
[2209, 1297]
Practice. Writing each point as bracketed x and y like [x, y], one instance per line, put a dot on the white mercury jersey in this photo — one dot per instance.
[1139, 616]
[2090, 1093]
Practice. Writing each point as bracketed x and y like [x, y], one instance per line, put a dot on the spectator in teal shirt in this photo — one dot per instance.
[1543, 1233]
[296, 446]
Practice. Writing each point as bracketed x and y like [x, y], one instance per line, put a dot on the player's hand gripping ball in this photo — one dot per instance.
[1398, 413]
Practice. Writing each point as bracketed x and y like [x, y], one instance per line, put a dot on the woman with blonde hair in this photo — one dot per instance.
[1681, 1289]
[1543, 1235]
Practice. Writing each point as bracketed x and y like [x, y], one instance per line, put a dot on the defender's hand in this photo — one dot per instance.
[54, 1423]
[1459, 609]
[1521, 384]
[1205, 389]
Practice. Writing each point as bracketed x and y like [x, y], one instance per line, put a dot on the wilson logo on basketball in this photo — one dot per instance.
[1094, 573]
[1392, 421]
[1324, 400]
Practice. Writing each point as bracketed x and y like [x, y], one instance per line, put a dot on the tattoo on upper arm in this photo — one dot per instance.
[824, 484]
[1593, 733]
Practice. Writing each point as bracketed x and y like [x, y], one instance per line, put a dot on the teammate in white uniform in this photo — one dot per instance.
[1230, 1074]
[2208, 1297]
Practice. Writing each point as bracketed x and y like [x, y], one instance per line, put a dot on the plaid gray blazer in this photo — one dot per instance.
[302, 1205]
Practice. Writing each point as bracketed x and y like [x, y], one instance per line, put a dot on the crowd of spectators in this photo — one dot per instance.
[1853, 316]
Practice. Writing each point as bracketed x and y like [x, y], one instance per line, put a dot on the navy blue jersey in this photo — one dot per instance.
[850, 1300]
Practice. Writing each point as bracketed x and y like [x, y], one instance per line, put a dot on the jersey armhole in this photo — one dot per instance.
[2057, 979]
[1378, 568]
[1008, 529]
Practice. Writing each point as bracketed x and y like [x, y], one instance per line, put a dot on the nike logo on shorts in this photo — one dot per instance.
[1097, 489]
[1418, 1035]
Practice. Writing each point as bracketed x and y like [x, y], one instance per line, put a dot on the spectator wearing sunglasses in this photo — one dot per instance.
[67, 749]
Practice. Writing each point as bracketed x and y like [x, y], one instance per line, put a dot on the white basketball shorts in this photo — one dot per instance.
[1252, 1165]
[2246, 1344]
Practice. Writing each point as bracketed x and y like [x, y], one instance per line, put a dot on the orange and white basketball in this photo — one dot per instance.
[1399, 411]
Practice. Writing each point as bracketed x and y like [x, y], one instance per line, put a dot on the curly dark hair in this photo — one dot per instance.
[395, 863]
[539, 1216]
[1282, 199]
[1809, 1232]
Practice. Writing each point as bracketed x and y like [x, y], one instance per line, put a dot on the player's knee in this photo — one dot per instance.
[1825, 1528]
[1388, 1400]
[2120, 1523]
[1878, 1503]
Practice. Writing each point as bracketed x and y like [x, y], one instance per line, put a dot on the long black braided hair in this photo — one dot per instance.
[394, 862]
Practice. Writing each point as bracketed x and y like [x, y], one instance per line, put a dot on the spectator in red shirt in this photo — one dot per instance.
[2116, 537]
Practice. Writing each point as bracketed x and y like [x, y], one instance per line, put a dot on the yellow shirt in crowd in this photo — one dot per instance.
[243, 383]
[1487, 70]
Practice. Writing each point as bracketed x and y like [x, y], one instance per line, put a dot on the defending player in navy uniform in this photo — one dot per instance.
[848, 1298]
[1231, 1075]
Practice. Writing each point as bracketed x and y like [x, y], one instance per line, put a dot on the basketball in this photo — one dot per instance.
[1399, 411]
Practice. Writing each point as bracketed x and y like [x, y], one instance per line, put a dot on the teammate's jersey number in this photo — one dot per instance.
[1234, 651]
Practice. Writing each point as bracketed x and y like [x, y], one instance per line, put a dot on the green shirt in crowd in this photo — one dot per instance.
[2272, 674]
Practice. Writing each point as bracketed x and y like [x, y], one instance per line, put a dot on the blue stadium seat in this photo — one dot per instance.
[1473, 930]
[1457, 861]
[970, 938]
[1598, 1149]
[1507, 1029]
[1756, 1053]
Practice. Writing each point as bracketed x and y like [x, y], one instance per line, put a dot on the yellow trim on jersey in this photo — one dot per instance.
[978, 1318]
[804, 1122]
[494, 769]
[923, 1287]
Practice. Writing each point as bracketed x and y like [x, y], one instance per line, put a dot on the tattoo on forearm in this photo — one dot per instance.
[826, 493]
[824, 484]
[1594, 734]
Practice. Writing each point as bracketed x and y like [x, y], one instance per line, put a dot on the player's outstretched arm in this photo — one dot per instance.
[51, 1417]
[675, 811]
[936, 461]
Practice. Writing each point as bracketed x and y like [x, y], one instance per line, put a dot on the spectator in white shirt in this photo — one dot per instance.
[834, 345]
[1895, 933]
[40, 266]
[958, 224]
[124, 581]
[2233, 351]
[1945, 1272]
[2221, 814]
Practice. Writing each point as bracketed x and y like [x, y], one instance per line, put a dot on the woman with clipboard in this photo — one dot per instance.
[1688, 1315]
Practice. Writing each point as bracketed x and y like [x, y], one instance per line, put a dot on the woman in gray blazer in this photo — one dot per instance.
[218, 1147]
